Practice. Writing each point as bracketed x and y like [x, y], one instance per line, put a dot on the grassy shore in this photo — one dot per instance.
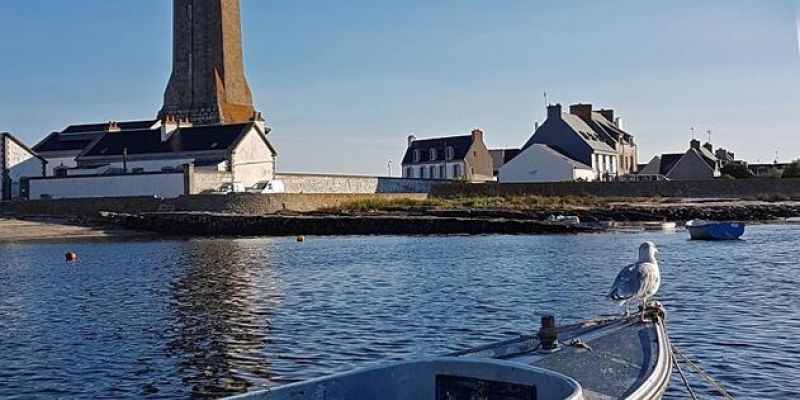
[517, 203]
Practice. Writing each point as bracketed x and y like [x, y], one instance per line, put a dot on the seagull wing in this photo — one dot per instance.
[628, 284]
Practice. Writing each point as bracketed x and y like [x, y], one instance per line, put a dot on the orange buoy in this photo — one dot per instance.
[301, 238]
[71, 256]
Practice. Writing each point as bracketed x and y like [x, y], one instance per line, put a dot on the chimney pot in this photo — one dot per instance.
[411, 139]
[582, 111]
[477, 135]
[695, 144]
[608, 114]
[709, 147]
[554, 111]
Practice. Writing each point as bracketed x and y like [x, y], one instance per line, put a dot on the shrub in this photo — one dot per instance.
[736, 170]
[792, 170]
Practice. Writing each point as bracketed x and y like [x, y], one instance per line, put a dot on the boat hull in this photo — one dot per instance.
[716, 231]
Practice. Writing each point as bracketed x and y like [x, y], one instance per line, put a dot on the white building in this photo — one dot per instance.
[150, 162]
[17, 162]
[540, 163]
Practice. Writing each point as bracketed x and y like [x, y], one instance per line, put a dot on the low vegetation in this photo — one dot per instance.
[483, 203]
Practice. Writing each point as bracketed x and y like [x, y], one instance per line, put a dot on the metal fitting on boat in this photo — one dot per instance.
[548, 333]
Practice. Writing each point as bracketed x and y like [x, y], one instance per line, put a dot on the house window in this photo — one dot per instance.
[449, 153]
[424, 172]
[442, 172]
[456, 171]
[417, 155]
[431, 171]
[433, 154]
[409, 171]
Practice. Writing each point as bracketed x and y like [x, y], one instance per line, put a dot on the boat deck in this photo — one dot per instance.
[615, 358]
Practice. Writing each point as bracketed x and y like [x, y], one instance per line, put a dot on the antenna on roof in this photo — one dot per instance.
[692, 131]
[708, 131]
[545, 100]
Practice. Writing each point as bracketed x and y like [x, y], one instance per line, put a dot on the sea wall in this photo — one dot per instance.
[240, 203]
[315, 183]
[718, 188]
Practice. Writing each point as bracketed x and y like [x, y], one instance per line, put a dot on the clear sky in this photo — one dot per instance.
[344, 82]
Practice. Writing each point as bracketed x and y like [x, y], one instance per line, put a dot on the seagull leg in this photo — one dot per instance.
[643, 309]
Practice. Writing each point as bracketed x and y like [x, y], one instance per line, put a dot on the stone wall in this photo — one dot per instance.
[81, 207]
[313, 183]
[239, 203]
[200, 181]
[718, 188]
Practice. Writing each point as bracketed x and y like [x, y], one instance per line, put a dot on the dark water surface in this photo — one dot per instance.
[206, 318]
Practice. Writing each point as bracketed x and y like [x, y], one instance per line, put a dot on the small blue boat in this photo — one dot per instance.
[710, 230]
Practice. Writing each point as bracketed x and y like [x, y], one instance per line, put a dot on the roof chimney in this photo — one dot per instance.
[477, 135]
[411, 139]
[259, 120]
[582, 111]
[608, 114]
[695, 144]
[112, 127]
[554, 111]
[168, 126]
[709, 147]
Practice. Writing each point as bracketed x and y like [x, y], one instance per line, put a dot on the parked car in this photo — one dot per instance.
[266, 187]
[232, 187]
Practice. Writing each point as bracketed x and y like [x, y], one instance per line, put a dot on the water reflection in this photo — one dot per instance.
[221, 306]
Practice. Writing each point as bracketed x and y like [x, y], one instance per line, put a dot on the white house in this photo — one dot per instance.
[540, 163]
[150, 162]
[571, 136]
[17, 162]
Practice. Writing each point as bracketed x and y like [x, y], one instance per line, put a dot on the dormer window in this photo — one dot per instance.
[417, 155]
[433, 154]
[449, 153]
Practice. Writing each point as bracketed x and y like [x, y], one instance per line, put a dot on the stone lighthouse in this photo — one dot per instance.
[207, 85]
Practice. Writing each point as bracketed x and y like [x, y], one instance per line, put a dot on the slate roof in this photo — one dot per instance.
[58, 142]
[79, 137]
[667, 162]
[460, 145]
[193, 139]
[101, 127]
[556, 153]
[586, 132]
[605, 127]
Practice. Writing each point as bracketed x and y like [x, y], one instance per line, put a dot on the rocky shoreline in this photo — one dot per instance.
[438, 221]
[214, 224]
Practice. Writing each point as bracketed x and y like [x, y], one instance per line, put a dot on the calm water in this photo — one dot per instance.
[206, 318]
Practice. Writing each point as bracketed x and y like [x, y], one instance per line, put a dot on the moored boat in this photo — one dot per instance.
[608, 358]
[660, 226]
[711, 230]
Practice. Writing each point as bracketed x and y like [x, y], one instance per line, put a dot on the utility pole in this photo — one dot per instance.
[389, 166]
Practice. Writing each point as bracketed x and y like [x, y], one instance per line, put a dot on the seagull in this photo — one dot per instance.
[638, 281]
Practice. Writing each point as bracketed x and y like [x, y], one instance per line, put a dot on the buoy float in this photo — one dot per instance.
[71, 256]
[301, 238]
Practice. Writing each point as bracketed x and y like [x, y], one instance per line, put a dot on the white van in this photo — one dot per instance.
[266, 187]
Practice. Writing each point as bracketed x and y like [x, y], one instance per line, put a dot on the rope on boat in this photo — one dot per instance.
[699, 371]
[683, 376]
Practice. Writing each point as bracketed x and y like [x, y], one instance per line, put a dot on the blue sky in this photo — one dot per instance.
[343, 83]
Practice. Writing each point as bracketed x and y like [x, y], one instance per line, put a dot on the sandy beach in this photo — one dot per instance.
[55, 229]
